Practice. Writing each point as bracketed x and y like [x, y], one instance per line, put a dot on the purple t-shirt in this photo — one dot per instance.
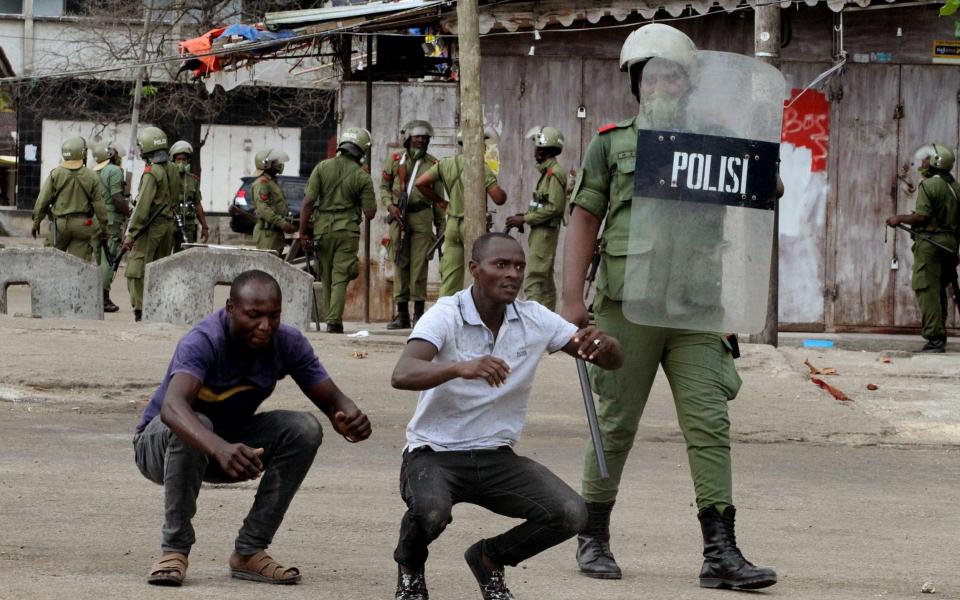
[236, 380]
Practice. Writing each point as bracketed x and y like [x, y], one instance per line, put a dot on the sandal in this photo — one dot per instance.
[260, 567]
[169, 570]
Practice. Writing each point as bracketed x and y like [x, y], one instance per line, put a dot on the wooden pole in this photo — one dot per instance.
[471, 125]
[766, 30]
[366, 223]
[138, 93]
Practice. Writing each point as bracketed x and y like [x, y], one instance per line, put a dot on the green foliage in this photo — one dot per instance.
[148, 90]
[949, 7]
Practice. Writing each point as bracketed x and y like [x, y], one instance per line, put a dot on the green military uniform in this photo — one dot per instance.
[342, 191]
[423, 219]
[934, 269]
[272, 210]
[698, 365]
[449, 172]
[159, 189]
[544, 217]
[74, 197]
[111, 182]
[190, 199]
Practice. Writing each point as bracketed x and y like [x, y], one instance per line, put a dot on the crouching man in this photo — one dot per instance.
[200, 426]
[473, 356]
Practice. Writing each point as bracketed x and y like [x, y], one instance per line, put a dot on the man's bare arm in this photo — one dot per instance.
[577, 253]
[344, 415]
[497, 194]
[592, 345]
[417, 371]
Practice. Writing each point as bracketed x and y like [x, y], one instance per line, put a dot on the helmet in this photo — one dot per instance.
[415, 127]
[106, 151]
[940, 157]
[151, 139]
[74, 149]
[274, 159]
[357, 136]
[486, 136]
[181, 147]
[546, 137]
[259, 157]
[657, 40]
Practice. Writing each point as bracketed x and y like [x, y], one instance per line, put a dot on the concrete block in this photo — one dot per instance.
[61, 285]
[178, 289]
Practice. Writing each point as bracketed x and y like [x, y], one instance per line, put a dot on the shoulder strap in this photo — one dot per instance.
[72, 176]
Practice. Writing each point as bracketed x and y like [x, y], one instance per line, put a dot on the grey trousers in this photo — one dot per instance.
[290, 441]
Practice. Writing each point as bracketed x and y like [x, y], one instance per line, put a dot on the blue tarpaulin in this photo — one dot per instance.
[253, 34]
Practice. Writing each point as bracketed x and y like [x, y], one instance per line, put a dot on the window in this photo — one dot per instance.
[11, 7]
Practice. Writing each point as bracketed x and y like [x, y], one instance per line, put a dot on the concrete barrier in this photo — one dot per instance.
[61, 285]
[178, 289]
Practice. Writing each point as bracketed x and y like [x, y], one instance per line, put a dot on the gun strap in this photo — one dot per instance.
[72, 177]
[349, 172]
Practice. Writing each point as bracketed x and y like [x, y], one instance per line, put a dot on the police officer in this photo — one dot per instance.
[108, 157]
[153, 214]
[936, 219]
[273, 220]
[190, 204]
[338, 197]
[449, 172]
[544, 216]
[415, 230]
[698, 364]
[73, 196]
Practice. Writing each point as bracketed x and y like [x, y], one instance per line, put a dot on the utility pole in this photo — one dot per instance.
[471, 126]
[366, 223]
[138, 92]
[766, 30]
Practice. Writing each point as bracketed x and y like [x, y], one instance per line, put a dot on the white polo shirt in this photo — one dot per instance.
[466, 414]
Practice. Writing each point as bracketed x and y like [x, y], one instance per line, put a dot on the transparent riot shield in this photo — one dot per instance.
[701, 219]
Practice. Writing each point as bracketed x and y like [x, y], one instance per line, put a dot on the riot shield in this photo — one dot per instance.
[702, 218]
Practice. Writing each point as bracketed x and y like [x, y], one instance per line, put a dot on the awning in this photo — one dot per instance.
[371, 13]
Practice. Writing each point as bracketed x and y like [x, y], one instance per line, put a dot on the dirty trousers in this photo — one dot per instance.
[703, 378]
[290, 441]
[496, 479]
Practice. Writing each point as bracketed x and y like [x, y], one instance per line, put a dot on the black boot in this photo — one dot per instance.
[334, 327]
[108, 305]
[935, 347]
[724, 565]
[402, 320]
[593, 545]
[137, 315]
[418, 306]
[411, 586]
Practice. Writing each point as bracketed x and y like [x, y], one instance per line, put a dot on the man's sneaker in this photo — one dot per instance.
[935, 347]
[411, 586]
[492, 585]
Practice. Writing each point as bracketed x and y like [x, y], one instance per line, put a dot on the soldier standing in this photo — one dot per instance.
[937, 220]
[190, 205]
[544, 216]
[108, 156]
[449, 172]
[273, 220]
[663, 64]
[338, 197]
[412, 231]
[153, 212]
[72, 196]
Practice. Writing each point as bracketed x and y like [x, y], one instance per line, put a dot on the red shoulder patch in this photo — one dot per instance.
[396, 156]
[606, 128]
[146, 169]
[550, 172]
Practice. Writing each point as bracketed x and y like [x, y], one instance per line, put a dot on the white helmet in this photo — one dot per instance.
[657, 40]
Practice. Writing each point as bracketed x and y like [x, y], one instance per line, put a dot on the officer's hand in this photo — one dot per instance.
[515, 221]
[593, 343]
[353, 425]
[127, 245]
[394, 211]
[35, 231]
[576, 313]
[204, 234]
[894, 221]
[239, 461]
[288, 227]
[494, 370]
[305, 241]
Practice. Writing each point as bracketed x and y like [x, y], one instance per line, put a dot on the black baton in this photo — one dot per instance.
[592, 418]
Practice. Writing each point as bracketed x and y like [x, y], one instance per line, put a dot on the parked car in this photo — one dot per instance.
[242, 215]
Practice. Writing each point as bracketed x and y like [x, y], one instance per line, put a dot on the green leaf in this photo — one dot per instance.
[949, 7]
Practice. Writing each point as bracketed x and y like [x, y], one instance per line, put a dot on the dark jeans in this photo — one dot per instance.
[290, 441]
[498, 480]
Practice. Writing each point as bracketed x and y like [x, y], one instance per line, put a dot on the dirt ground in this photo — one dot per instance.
[846, 499]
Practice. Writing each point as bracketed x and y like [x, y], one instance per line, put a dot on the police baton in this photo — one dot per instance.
[592, 418]
[143, 230]
[925, 237]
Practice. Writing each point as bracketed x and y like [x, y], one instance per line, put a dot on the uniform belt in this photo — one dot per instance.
[336, 210]
[75, 215]
[417, 208]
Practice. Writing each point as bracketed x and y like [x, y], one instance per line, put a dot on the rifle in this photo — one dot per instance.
[592, 271]
[143, 230]
[926, 237]
[180, 235]
[53, 224]
[403, 203]
[437, 246]
[310, 253]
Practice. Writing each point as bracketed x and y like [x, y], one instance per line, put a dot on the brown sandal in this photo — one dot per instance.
[169, 570]
[260, 567]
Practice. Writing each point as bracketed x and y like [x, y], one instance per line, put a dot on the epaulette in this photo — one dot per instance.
[550, 172]
[396, 156]
[146, 169]
[606, 128]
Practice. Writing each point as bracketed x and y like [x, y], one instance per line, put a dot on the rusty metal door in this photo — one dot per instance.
[866, 182]
[929, 101]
